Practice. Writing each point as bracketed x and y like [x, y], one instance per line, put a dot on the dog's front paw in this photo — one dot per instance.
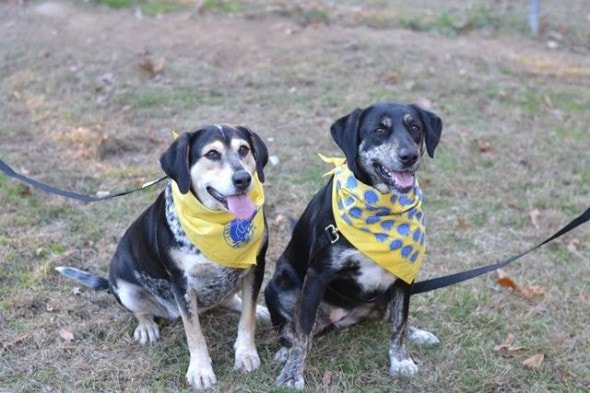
[402, 367]
[291, 375]
[246, 360]
[290, 379]
[262, 313]
[200, 376]
[422, 337]
[146, 331]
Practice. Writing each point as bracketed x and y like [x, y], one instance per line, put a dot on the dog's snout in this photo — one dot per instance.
[241, 179]
[408, 156]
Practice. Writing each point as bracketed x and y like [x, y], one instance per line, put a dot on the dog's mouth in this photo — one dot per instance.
[240, 205]
[402, 181]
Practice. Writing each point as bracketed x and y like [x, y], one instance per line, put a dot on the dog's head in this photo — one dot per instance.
[385, 142]
[217, 164]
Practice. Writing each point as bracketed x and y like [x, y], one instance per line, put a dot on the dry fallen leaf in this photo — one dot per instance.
[506, 349]
[505, 281]
[66, 334]
[462, 224]
[534, 362]
[534, 216]
[151, 67]
[484, 146]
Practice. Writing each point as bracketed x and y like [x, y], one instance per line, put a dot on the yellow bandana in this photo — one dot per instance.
[387, 228]
[220, 236]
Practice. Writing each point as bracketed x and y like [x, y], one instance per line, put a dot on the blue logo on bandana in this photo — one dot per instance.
[238, 233]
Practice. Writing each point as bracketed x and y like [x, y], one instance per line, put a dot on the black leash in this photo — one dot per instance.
[69, 194]
[331, 236]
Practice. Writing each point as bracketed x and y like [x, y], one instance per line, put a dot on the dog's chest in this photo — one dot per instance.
[212, 282]
[367, 274]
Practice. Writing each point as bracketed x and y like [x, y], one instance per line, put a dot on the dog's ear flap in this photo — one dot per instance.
[433, 125]
[175, 162]
[259, 151]
[345, 132]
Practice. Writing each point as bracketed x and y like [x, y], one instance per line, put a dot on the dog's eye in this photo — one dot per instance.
[213, 155]
[414, 127]
[244, 150]
[380, 130]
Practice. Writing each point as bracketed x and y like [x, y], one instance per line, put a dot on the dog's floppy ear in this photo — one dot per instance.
[175, 162]
[345, 132]
[433, 125]
[259, 151]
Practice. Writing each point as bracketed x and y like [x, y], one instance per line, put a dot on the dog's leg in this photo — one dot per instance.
[246, 357]
[401, 362]
[144, 306]
[314, 285]
[200, 373]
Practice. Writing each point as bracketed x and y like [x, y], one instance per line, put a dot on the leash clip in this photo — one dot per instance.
[332, 232]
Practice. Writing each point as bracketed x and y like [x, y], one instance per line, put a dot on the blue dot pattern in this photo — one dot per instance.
[394, 222]
[371, 197]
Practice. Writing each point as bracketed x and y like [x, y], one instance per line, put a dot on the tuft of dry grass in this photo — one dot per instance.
[513, 166]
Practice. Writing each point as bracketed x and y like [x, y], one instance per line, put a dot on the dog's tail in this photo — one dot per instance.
[90, 280]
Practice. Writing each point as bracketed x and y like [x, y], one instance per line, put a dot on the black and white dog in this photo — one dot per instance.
[160, 269]
[318, 285]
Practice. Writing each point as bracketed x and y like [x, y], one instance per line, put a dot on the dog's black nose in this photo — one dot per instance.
[408, 156]
[241, 180]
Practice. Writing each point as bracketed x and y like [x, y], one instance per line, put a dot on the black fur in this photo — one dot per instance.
[316, 287]
[158, 272]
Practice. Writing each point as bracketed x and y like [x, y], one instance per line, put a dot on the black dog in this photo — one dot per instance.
[322, 279]
[158, 271]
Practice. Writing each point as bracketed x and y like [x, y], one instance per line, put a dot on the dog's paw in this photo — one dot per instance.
[282, 355]
[262, 313]
[422, 337]
[402, 367]
[246, 360]
[289, 378]
[146, 331]
[200, 376]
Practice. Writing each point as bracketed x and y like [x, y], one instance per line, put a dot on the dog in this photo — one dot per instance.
[328, 276]
[202, 240]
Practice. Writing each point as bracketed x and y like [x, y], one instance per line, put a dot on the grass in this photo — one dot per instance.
[515, 141]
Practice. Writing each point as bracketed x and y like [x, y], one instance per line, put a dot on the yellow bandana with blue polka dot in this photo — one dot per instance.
[386, 228]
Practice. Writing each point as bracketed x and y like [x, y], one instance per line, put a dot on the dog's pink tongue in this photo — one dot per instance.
[403, 179]
[241, 206]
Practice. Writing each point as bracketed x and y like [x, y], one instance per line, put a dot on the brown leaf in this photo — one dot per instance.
[66, 334]
[573, 245]
[534, 362]
[525, 292]
[484, 146]
[392, 78]
[534, 216]
[151, 67]
[537, 290]
[506, 349]
[463, 224]
[505, 281]
[24, 190]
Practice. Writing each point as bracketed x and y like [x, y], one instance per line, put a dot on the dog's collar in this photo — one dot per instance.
[220, 236]
[387, 228]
